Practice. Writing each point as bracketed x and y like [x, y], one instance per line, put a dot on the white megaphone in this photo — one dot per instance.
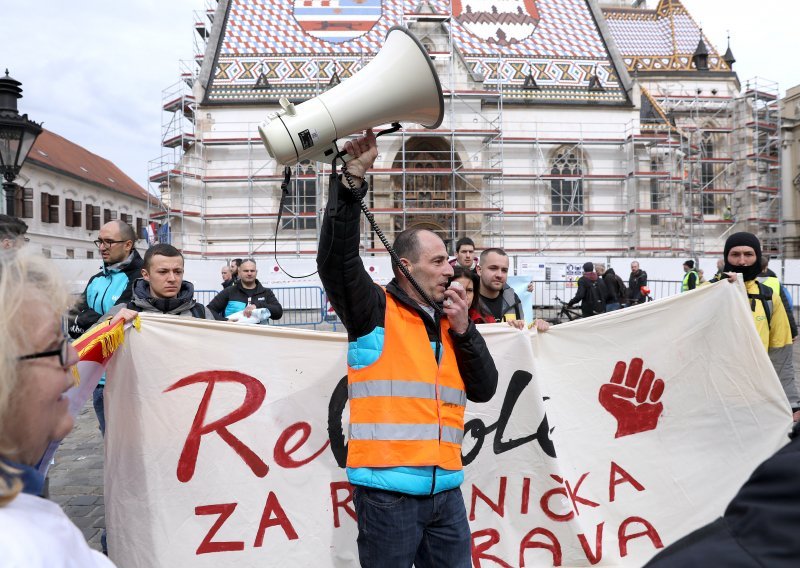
[399, 85]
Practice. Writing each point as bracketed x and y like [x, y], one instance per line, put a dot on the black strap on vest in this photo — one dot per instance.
[765, 295]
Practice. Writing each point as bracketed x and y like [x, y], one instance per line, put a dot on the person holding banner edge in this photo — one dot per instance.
[411, 369]
[742, 256]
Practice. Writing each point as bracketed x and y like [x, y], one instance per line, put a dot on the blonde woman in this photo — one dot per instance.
[35, 359]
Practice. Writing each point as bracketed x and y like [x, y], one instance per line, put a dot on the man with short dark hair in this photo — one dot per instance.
[690, 277]
[246, 295]
[161, 289]
[496, 296]
[12, 232]
[411, 367]
[235, 264]
[465, 253]
[109, 287]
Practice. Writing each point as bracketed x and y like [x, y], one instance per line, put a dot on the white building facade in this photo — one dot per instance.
[66, 193]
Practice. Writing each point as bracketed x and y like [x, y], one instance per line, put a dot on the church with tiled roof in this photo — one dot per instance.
[571, 127]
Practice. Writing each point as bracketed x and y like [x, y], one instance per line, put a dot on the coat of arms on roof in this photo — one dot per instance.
[337, 21]
[498, 21]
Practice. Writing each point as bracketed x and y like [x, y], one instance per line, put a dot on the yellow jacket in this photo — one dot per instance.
[776, 333]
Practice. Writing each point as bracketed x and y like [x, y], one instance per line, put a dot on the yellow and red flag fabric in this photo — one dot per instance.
[95, 348]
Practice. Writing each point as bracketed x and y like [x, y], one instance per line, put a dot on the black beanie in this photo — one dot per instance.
[588, 267]
[747, 240]
[689, 263]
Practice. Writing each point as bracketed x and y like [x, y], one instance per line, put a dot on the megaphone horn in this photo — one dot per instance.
[400, 84]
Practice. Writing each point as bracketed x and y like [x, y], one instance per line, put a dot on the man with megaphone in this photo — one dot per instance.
[414, 358]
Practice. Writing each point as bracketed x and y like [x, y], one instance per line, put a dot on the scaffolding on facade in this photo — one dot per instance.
[691, 168]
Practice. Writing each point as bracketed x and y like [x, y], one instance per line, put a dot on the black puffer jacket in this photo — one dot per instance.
[361, 305]
[584, 294]
[635, 283]
[615, 287]
[235, 298]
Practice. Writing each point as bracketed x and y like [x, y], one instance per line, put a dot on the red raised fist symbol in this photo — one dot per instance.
[628, 402]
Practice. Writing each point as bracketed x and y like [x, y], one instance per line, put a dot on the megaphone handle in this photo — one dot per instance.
[345, 157]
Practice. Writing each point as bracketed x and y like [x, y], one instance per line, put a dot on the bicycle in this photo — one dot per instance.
[567, 312]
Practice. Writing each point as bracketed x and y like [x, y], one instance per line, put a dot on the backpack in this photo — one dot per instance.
[594, 298]
[621, 288]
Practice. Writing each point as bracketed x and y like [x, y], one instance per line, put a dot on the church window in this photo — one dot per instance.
[566, 187]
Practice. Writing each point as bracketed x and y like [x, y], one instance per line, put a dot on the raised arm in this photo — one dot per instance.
[349, 287]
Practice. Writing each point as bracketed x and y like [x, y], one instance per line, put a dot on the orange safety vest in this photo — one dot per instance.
[405, 410]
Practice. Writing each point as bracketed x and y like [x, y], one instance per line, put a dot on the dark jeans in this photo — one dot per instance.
[99, 410]
[612, 307]
[397, 530]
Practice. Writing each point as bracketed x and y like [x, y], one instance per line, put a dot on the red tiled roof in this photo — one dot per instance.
[57, 153]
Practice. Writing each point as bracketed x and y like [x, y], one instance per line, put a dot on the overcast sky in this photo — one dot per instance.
[94, 70]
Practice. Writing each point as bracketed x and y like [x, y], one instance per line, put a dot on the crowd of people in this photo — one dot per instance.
[415, 356]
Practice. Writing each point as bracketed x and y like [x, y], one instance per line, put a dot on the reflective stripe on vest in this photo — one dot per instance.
[409, 389]
[405, 410]
[405, 432]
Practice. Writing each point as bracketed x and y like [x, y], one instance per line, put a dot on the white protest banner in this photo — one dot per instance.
[224, 442]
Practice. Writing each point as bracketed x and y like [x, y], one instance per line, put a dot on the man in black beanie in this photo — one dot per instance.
[743, 257]
[690, 279]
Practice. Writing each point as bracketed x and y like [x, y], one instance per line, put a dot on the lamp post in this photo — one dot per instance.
[17, 135]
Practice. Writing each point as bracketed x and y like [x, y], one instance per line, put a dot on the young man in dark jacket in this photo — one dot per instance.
[496, 297]
[161, 289]
[592, 292]
[411, 368]
[616, 290]
[246, 295]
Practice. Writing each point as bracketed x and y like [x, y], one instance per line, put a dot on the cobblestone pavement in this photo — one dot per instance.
[76, 479]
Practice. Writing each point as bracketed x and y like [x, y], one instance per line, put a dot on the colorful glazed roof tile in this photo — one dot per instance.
[293, 47]
[659, 40]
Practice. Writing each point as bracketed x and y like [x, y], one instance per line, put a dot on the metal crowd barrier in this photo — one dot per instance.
[302, 305]
[546, 293]
[308, 305]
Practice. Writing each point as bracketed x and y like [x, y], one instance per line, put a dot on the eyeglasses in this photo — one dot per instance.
[107, 242]
[62, 353]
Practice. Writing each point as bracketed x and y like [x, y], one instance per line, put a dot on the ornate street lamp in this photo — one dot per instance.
[17, 133]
